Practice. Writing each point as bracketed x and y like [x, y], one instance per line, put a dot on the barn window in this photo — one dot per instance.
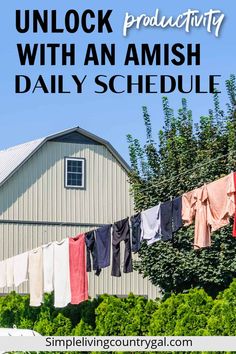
[74, 173]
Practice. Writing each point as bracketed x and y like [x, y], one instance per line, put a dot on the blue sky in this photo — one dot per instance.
[29, 116]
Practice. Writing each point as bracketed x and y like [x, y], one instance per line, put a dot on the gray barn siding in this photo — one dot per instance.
[36, 193]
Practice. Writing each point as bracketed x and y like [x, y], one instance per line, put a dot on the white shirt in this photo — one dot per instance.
[62, 291]
[151, 224]
[9, 269]
[20, 268]
[3, 274]
[48, 257]
[36, 277]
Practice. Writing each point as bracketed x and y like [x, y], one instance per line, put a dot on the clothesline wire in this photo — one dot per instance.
[183, 173]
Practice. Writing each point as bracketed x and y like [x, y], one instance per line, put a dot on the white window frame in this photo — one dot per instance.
[66, 172]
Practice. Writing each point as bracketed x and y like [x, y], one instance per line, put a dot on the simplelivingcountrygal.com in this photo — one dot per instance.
[111, 343]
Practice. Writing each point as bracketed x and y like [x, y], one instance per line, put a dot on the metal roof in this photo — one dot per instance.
[13, 158]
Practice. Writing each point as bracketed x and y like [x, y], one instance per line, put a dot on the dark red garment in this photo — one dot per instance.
[78, 274]
[234, 227]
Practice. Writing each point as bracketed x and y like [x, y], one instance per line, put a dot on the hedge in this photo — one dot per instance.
[191, 313]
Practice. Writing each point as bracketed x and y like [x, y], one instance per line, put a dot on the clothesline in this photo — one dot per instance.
[183, 173]
[210, 206]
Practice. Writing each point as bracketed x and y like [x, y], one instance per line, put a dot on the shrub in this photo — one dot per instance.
[191, 313]
[182, 314]
[222, 318]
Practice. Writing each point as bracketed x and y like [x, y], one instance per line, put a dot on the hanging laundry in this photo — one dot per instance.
[221, 203]
[48, 261]
[188, 210]
[20, 268]
[91, 248]
[166, 220]
[150, 225]
[78, 274]
[121, 232]
[36, 277]
[194, 205]
[234, 226]
[103, 244]
[136, 232]
[177, 213]
[62, 292]
[3, 274]
[202, 233]
[9, 270]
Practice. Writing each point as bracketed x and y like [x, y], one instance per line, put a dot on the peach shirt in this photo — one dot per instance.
[211, 206]
[221, 205]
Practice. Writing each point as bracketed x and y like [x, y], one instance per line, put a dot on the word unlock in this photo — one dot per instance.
[47, 21]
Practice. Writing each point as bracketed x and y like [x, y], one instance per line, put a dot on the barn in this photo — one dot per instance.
[59, 186]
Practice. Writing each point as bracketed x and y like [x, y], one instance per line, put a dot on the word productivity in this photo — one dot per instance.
[211, 20]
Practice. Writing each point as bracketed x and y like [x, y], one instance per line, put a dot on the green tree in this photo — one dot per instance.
[45, 325]
[111, 317]
[185, 156]
[83, 329]
[62, 325]
[15, 311]
[182, 314]
[124, 317]
[221, 321]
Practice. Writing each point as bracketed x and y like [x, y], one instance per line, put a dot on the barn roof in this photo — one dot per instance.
[13, 158]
